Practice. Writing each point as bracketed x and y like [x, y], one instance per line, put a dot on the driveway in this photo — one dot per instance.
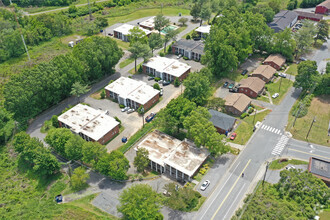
[273, 176]
[321, 56]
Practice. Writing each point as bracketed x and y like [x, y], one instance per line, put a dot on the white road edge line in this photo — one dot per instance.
[224, 217]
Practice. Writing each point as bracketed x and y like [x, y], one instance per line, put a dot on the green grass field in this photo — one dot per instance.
[292, 70]
[126, 62]
[124, 45]
[275, 165]
[274, 88]
[320, 108]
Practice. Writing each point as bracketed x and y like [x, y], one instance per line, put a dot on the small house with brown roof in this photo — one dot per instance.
[252, 86]
[275, 60]
[264, 72]
[237, 103]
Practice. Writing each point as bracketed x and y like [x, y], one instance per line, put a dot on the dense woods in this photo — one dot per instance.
[26, 3]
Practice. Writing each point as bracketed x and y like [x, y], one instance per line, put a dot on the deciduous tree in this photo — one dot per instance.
[137, 35]
[57, 138]
[160, 22]
[141, 160]
[73, 147]
[195, 11]
[78, 89]
[155, 42]
[139, 50]
[183, 21]
[79, 178]
[170, 35]
[308, 76]
[92, 151]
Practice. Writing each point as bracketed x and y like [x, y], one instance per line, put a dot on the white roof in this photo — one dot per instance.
[181, 155]
[125, 28]
[204, 29]
[166, 65]
[88, 121]
[150, 22]
[137, 91]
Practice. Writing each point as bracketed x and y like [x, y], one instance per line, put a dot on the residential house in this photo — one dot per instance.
[282, 20]
[320, 168]
[308, 15]
[251, 86]
[148, 24]
[166, 68]
[264, 72]
[132, 93]
[122, 32]
[89, 123]
[275, 60]
[222, 122]
[323, 8]
[203, 30]
[237, 103]
[168, 155]
[189, 48]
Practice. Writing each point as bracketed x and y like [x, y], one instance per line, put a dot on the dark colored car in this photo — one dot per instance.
[165, 83]
[150, 117]
[150, 78]
[244, 72]
[225, 84]
[124, 139]
[110, 34]
[231, 85]
[235, 90]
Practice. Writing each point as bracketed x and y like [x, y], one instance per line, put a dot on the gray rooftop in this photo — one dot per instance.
[282, 20]
[195, 46]
[222, 120]
[320, 167]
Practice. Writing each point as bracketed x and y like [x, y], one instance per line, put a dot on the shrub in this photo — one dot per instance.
[276, 74]
[156, 86]
[111, 81]
[185, 58]
[188, 37]
[177, 82]
[266, 88]
[161, 54]
[140, 69]
[54, 121]
[102, 94]
[117, 119]
[243, 115]
[121, 106]
[157, 79]
[130, 77]
[251, 110]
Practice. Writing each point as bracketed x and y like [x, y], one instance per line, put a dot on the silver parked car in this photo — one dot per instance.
[205, 185]
[130, 110]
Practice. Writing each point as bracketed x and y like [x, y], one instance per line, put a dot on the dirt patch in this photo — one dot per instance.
[321, 105]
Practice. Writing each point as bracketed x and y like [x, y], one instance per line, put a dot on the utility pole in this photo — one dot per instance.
[310, 128]
[142, 111]
[19, 28]
[279, 89]
[297, 114]
[254, 117]
[265, 175]
[90, 13]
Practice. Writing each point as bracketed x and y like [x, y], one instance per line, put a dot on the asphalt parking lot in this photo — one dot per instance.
[195, 66]
[132, 122]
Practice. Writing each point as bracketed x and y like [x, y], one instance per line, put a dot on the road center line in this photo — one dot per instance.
[231, 189]
[219, 191]
[224, 217]
[309, 153]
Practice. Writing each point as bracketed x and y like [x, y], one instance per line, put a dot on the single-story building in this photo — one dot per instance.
[203, 30]
[132, 93]
[179, 159]
[123, 31]
[264, 72]
[189, 48]
[251, 86]
[275, 60]
[166, 68]
[308, 15]
[237, 103]
[222, 122]
[323, 8]
[320, 168]
[148, 24]
[89, 123]
[282, 20]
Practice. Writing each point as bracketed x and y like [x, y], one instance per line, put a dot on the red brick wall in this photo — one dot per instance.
[183, 76]
[247, 91]
[151, 102]
[219, 130]
[109, 135]
[261, 77]
[173, 50]
[115, 34]
[144, 68]
[107, 93]
[321, 10]
[272, 64]
[233, 110]
[302, 17]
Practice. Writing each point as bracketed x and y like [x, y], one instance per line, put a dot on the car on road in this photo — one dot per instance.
[124, 139]
[161, 91]
[225, 84]
[275, 95]
[131, 110]
[283, 75]
[125, 109]
[165, 83]
[179, 56]
[244, 72]
[150, 78]
[205, 185]
[233, 136]
[231, 85]
[150, 117]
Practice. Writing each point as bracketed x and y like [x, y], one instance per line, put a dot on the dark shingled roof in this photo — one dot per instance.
[319, 167]
[194, 46]
[222, 120]
[282, 20]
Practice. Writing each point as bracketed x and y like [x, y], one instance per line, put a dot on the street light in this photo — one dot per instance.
[142, 112]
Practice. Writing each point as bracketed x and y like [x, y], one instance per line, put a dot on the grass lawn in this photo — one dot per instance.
[126, 62]
[263, 98]
[274, 88]
[320, 107]
[292, 70]
[97, 95]
[276, 165]
[124, 45]
[235, 75]
[132, 71]
[245, 129]
[325, 214]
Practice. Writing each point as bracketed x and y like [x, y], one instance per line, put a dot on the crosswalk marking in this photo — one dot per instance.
[280, 145]
[271, 129]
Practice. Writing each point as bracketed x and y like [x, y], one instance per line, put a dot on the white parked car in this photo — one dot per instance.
[205, 185]
[130, 110]
[282, 75]
[290, 167]
[179, 56]
[275, 95]
[124, 109]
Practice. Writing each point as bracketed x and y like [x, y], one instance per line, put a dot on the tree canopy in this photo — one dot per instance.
[308, 76]
[140, 201]
[160, 22]
[141, 160]
[139, 50]
[114, 165]
[155, 42]
[7, 125]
